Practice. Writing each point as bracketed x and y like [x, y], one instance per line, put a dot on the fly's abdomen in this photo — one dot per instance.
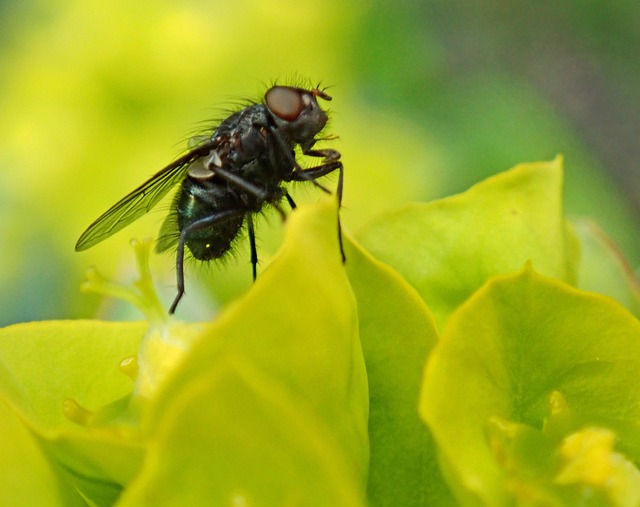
[214, 243]
[198, 202]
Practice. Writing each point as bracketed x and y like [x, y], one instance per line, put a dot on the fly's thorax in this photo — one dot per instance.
[239, 139]
[249, 138]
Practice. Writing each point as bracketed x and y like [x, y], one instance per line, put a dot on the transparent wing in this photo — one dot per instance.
[141, 200]
[169, 232]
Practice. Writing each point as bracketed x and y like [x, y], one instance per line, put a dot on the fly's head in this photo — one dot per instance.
[297, 113]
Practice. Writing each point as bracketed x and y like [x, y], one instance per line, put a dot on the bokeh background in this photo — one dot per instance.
[429, 98]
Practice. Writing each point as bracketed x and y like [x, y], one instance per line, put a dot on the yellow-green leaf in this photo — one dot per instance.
[297, 329]
[397, 333]
[27, 476]
[507, 355]
[448, 248]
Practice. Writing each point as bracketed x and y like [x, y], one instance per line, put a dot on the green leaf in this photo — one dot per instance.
[67, 359]
[506, 356]
[397, 333]
[50, 369]
[290, 385]
[27, 476]
[448, 248]
[236, 437]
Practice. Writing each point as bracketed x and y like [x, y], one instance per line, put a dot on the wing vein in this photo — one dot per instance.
[141, 200]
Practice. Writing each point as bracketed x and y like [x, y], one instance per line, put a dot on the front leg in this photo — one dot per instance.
[317, 172]
[314, 173]
[328, 155]
[331, 162]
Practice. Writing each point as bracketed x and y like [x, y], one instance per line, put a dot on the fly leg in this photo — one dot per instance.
[240, 183]
[252, 243]
[329, 157]
[203, 223]
[246, 186]
[313, 173]
[331, 162]
[292, 203]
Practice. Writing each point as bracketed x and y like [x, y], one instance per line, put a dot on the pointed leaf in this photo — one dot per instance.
[297, 328]
[397, 333]
[236, 437]
[504, 354]
[448, 248]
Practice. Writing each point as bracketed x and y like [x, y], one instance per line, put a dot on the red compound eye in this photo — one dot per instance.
[285, 102]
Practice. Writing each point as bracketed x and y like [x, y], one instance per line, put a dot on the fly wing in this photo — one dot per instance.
[169, 232]
[141, 200]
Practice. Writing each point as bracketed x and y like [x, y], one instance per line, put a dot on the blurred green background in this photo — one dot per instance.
[429, 98]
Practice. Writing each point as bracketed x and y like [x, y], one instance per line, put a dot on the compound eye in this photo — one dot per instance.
[285, 102]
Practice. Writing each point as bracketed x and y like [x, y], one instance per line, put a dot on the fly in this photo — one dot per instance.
[228, 177]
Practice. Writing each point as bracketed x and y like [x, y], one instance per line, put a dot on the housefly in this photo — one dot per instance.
[230, 176]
